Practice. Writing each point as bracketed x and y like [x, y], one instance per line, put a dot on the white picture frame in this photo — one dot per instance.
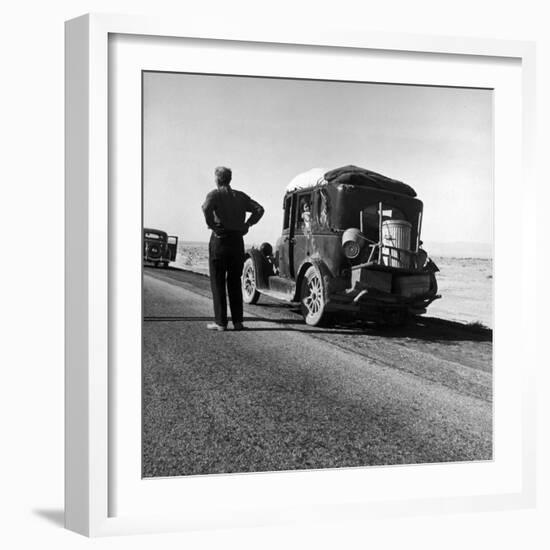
[91, 219]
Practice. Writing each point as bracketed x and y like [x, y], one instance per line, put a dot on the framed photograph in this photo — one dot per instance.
[290, 294]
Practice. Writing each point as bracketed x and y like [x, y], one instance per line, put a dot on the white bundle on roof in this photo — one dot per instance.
[311, 178]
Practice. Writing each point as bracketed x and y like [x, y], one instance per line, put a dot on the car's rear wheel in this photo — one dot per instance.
[312, 297]
[248, 281]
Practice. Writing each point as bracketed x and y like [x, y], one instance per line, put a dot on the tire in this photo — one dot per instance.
[154, 252]
[248, 282]
[312, 297]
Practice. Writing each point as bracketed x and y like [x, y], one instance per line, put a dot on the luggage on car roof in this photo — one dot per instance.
[355, 175]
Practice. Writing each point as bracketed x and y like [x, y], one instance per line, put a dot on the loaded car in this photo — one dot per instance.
[158, 247]
[351, 244]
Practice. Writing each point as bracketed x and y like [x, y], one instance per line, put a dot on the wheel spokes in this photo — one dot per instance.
[313, 300]
[249, 281]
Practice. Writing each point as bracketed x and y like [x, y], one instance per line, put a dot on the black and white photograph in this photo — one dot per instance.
[317, 280]
[292, 290]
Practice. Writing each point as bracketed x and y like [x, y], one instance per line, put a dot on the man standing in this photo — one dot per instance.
[225, 212]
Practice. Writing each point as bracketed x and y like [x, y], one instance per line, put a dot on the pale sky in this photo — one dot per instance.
[438, 140]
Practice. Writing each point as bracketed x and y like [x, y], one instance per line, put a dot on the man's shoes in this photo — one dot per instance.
[238, 326]
[215, 326]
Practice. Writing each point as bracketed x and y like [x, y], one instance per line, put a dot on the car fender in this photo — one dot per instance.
[328, 278]
[261, 266]
[431, 266]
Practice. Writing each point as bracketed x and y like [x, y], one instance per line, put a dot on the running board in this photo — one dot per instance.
[280, 288]
[277, 295]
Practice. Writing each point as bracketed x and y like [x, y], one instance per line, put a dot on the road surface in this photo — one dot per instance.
[285, 396]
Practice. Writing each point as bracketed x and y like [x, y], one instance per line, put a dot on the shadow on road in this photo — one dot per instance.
[288, 317]
[168, 318]
[435, 330]
[426, 328]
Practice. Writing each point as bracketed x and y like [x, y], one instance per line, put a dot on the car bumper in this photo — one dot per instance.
[376, 302]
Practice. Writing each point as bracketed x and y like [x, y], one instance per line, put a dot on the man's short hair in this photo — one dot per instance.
[223, 175]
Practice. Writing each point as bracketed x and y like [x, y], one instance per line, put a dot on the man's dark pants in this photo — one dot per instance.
[226, 259]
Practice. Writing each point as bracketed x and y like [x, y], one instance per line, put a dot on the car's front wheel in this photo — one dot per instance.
[248, 280]
[312, 297]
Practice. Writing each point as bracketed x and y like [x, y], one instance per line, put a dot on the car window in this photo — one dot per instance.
[286, 218]
[303, 218]
[322, 208]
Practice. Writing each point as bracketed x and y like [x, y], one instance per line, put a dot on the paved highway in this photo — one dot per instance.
[284, 396]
